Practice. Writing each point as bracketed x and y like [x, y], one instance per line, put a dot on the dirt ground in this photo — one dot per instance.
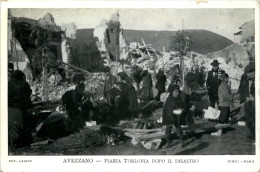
[234, 141]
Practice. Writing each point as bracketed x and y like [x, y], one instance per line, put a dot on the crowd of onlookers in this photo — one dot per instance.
[77, 106]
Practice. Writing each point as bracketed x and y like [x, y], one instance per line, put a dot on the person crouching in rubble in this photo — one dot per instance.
[19, 104]
[172, 110]
[246, 92]
[89, 110]
[55, 125]
[71, 100]
[225, 101]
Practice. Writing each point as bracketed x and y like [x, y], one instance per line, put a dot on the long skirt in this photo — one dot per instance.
[147, 93]
[250, 116]
[15, 126]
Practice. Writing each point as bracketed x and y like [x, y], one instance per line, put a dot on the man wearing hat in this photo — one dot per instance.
[246, 92]
[212, 83]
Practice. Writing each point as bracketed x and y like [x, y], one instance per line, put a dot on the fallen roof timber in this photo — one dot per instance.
[196, 128]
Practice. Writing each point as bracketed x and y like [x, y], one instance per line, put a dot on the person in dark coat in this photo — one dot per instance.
[72, 101]
[194, 113]
[172, 110]
[186, 100]
[54, 126]
[130, 94]
[176, 73]
[147, 92]
[246, 92]
[125, 78]
[191, 111]
[160, 85]
[109, 84]
[122, 101]
[19, 103]
[212, 83]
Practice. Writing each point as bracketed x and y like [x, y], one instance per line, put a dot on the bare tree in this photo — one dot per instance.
[182, 44]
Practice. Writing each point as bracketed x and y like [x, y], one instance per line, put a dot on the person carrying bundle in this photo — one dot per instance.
[172, 111]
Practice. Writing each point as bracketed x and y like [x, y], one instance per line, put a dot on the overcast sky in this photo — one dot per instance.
[222, 21]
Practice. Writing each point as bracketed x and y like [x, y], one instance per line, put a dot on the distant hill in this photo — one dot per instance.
[203, 41]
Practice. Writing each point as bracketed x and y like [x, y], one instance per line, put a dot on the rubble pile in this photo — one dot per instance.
[116, 54]
[94, 84]
[33, 34]
[234, 71]
[55, 92]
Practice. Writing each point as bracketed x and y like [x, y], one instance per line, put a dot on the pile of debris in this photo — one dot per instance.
[94, 84]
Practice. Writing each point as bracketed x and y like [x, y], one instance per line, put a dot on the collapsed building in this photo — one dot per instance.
[105, 48]
[101, 49]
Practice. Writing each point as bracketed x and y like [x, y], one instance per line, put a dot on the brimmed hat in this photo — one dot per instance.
[173, 87]
[250, 67]
[215, 63]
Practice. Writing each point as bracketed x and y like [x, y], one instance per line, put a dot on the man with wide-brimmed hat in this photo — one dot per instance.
[212, 83]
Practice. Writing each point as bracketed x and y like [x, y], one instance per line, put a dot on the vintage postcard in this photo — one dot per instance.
[129, 86]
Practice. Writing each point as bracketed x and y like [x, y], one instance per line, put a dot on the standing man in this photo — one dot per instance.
[212, 83]
[246, 92]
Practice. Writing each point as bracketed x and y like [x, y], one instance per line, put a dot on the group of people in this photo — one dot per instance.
[220, 95]
[122, 95]
[177, 103]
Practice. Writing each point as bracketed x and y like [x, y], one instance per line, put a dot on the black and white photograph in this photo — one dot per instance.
[130, 81]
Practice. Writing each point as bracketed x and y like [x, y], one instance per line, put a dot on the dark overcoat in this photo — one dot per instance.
[212, 84]
[161, 80]
[243, 89]
[171, 103]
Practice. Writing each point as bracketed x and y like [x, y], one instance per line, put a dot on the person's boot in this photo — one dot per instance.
[182, 143]
[167, 145]
[168, 138]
